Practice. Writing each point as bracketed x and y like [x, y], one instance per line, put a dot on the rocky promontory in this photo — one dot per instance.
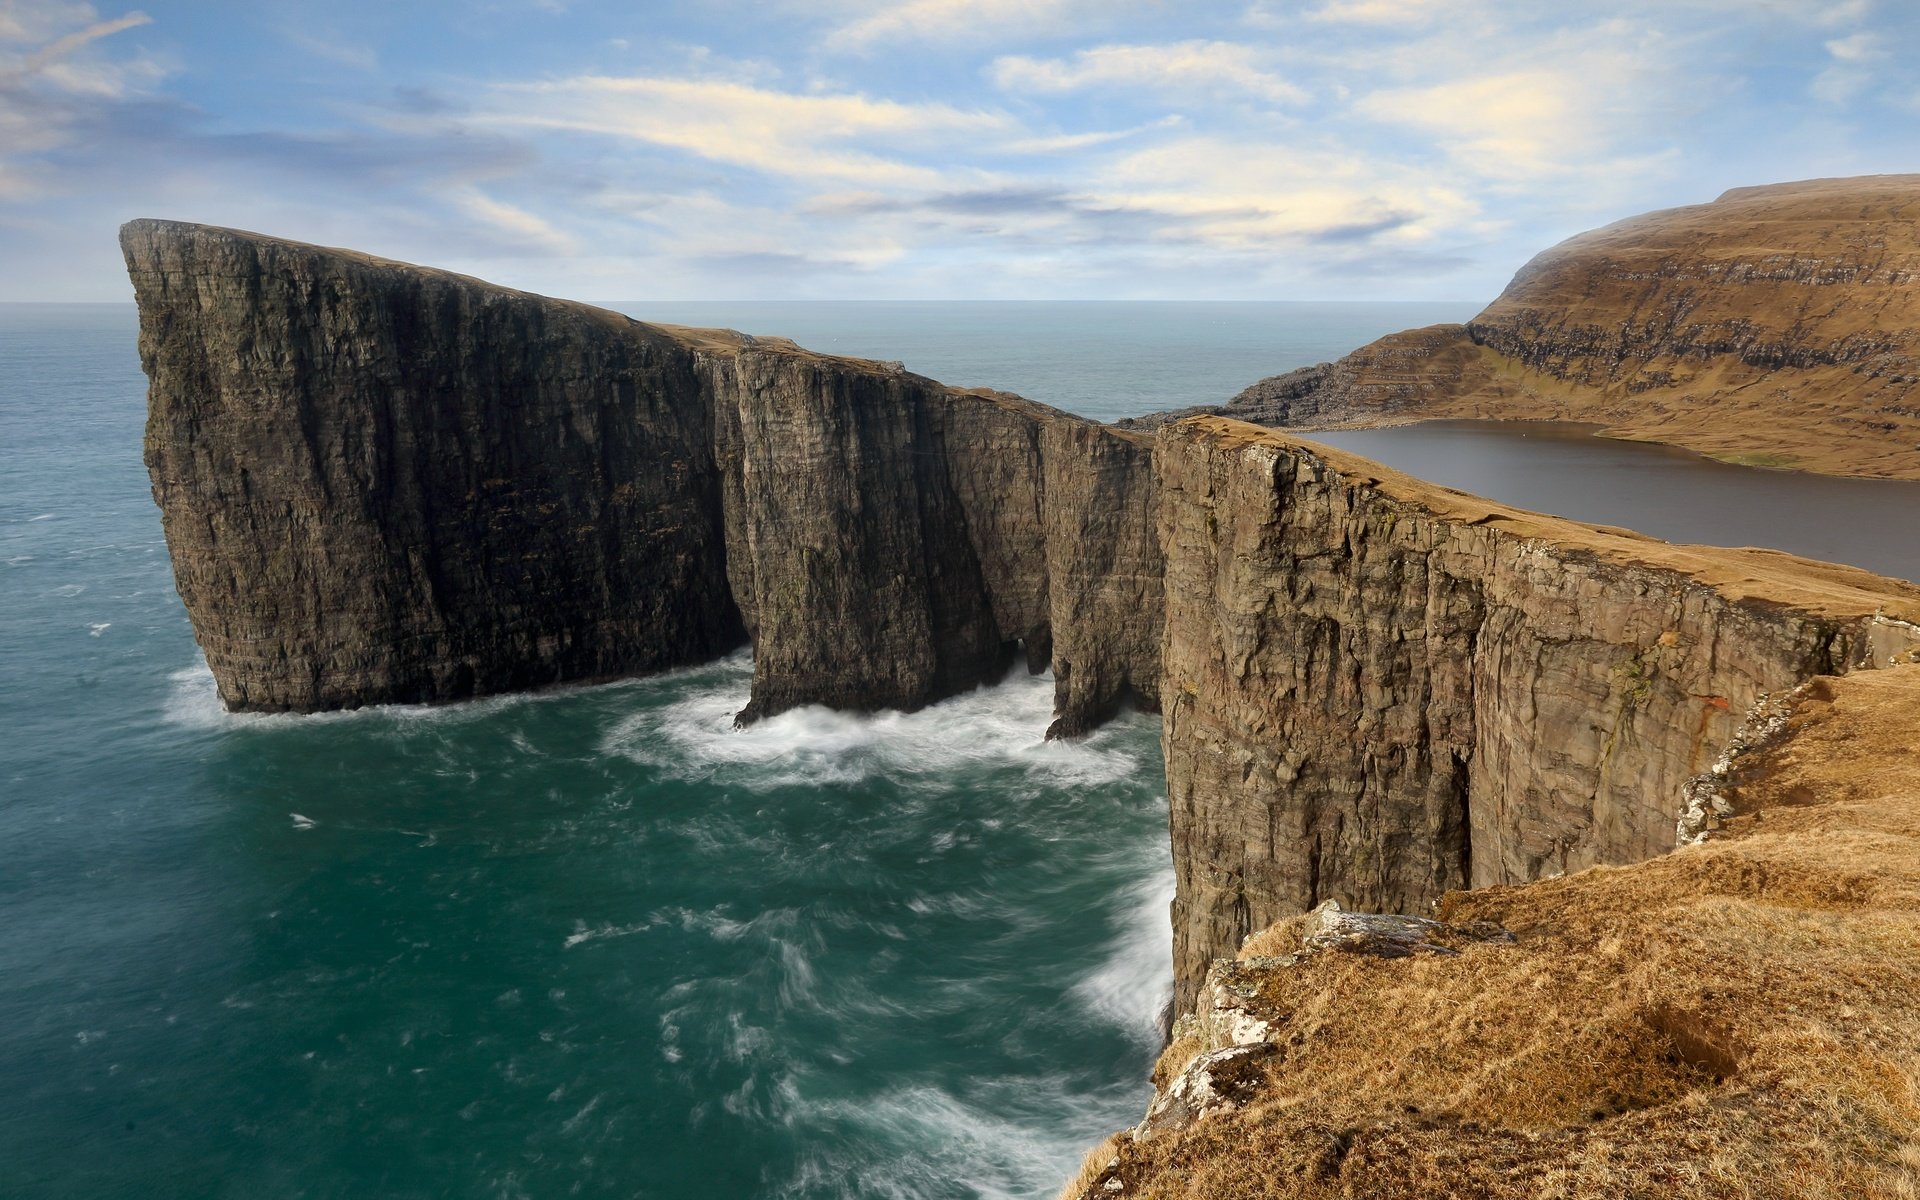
[382, 483]
[1777, 326]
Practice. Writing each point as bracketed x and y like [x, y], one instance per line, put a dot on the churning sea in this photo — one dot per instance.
[592, 942]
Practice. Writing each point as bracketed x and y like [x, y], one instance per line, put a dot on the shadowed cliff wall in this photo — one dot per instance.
[382, 483]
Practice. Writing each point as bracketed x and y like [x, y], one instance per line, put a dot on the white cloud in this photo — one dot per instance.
[50, 78]
[1189, 66]
[1371, 12]
[48, 58]
[1242, 195]
[517, 223]
[807, 136]
[1058, 143]
[966, 20]
[1851, 70]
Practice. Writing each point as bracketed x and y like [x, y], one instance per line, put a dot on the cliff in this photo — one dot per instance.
[1777, 326]
[1377, 690]
[382, 483]
[1739, 1018]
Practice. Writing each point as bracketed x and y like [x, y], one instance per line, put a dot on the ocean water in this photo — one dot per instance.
[1104, 361]
[587, 943]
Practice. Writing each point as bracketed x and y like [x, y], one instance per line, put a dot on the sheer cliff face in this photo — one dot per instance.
[1376, 690]
[1735, 1019]
[1776, 326]
[382, 483]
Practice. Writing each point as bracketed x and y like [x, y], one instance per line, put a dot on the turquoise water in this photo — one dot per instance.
[589, 943]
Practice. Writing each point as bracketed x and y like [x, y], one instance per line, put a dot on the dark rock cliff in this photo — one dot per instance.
[382, 483]
[1377, 690]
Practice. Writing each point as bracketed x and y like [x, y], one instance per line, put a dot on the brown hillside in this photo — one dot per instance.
[1777, 326]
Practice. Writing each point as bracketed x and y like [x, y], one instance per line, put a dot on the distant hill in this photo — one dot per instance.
[1777, 326]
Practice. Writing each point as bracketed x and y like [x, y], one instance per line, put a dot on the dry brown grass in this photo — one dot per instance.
[1737, 1019]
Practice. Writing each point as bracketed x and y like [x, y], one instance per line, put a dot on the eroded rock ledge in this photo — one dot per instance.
[382, 483]
[1738, 1018]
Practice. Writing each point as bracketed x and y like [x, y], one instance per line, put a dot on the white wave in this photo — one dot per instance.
[97, 630]
[993, 1141]
[193, 702]
[582, 934]
[1135, 982]
[1003, 725]
[300, 822]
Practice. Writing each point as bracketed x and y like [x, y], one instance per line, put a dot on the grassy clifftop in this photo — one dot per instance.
[1740, 1018]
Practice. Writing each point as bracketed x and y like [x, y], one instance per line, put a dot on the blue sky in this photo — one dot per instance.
[930, 149]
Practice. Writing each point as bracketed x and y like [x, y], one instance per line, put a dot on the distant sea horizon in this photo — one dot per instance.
[1104, 359]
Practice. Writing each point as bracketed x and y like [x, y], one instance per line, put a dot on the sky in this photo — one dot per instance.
[928, 149]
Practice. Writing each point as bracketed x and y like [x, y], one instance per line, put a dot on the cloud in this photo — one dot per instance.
[967, 20]
[51, 84]
[1062, 142]
[517, 223]
[1851, 70]
[334, 49]
[1369, 12]
[1606, 101]
[825, 137]
[1189, 66]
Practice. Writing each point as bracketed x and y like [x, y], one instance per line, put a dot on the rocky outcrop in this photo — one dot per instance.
[1777, 326]
[1377, 690]
[382, 483]
[1735, 1018]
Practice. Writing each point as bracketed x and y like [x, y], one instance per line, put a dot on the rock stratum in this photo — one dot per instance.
[1777, 326]
[385, 484]
[382, 483]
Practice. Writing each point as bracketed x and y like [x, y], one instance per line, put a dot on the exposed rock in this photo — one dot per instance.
[1213, 1083]
[1778, 326]
[382, 483]
[1389, 935]
[1737, 1018]
[1377, 690]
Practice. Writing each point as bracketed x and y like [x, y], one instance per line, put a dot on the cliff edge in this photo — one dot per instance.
[1378, 690]
[1739, 1018]
[382, 483]
[1777, 326]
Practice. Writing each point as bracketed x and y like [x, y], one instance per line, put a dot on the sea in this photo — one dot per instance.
[589, 942]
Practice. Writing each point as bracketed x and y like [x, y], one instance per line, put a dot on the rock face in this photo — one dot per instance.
[382, 483]
[1735, 1018]
[1377, 690]
[1778, 326]
[385, 484]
